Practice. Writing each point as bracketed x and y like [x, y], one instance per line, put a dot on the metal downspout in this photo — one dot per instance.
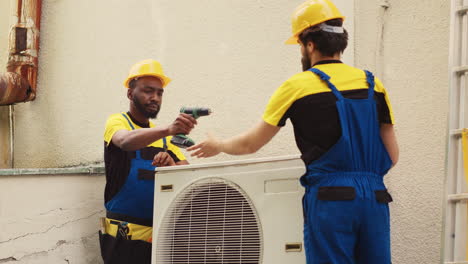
[18, 83]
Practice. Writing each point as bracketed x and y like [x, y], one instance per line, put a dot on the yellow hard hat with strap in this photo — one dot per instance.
[147, 68]
[311, 13]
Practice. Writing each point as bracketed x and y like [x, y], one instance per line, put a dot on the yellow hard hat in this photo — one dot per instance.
[311, 13]
[147, 68]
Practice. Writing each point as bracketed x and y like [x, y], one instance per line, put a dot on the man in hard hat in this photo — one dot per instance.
[133, 148]
[343, 125]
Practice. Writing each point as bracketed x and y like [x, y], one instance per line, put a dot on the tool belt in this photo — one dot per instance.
[122, 242]
[125, 230]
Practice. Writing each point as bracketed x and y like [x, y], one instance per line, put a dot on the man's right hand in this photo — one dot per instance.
[183, 124]
[140, 138]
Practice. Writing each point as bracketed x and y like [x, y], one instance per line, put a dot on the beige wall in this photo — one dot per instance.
[229, 55]
[414, 59]
[49, 219]
[4, 24]
[5, 160]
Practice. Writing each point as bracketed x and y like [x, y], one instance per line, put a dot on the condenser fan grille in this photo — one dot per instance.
[211, 221]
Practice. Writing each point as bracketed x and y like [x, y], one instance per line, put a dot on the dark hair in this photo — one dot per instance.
[327, 43]
[132, 83]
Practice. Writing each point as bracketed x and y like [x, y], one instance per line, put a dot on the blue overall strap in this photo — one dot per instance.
[138, 154]
[128, 120]
[164, 144]
[371, 82]
[326, 79]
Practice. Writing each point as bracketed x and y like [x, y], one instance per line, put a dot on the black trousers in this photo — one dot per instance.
[122, 251]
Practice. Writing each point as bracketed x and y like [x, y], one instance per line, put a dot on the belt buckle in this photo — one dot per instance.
[123, 230]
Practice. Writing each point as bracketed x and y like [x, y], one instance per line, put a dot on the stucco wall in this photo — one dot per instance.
[50, 219]
[228, 55]
[413, 53]
[4, 112]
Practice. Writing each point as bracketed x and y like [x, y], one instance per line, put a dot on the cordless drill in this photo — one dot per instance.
[181, 140]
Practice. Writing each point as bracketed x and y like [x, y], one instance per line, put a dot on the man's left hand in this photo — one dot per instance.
[163, 159]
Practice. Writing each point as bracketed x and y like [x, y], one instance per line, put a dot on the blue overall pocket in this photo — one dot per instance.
[336, 193]
[145, 174]
[335, 209]
[382, 196]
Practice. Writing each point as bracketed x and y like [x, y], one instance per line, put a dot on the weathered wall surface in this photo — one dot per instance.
[227, 55]
[407, 44]
[5, 160]
[50, 219]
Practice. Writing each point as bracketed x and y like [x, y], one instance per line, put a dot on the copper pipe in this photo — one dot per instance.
[11, 87]
[19, 83]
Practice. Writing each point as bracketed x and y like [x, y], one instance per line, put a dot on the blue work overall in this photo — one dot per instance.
[135, 198]
[132, 204]
[346, 214]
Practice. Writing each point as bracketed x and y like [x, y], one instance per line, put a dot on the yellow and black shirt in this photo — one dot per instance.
[117, 161]
[310, 104]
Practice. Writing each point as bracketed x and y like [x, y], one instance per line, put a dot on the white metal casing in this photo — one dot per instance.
[272, 185]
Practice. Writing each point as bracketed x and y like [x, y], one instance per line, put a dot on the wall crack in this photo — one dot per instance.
[52, 227]
[380, 58]
[4, 260]
[59, 244]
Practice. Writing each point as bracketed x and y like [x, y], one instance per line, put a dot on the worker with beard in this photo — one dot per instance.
[343, 126]
[133, 148]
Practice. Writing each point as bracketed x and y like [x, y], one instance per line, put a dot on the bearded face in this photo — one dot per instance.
[146, 96]
[149, 110]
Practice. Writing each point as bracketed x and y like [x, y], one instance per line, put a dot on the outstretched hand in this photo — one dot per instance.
[208, 148]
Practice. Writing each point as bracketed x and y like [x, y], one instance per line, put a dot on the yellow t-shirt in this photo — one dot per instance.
[117, 161]
[311, 106]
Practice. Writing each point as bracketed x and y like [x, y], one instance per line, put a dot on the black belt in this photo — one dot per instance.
[129, 219]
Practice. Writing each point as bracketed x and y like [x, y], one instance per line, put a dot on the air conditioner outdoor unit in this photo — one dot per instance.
[229, 212]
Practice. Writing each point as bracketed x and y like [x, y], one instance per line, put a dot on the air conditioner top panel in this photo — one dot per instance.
[289, 158]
